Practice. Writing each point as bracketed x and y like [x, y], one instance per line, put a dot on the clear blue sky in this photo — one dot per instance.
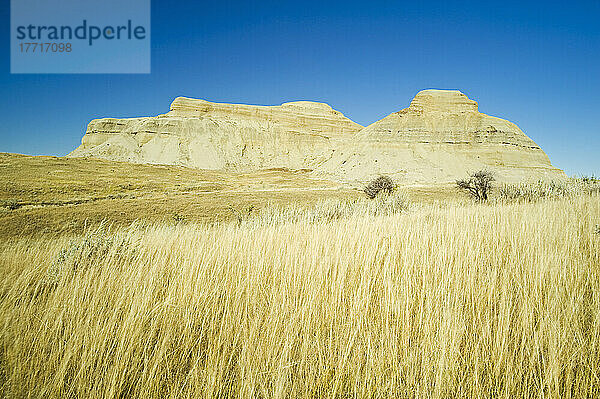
[534, 63]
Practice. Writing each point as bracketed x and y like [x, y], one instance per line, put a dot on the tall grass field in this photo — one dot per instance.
[474, 300]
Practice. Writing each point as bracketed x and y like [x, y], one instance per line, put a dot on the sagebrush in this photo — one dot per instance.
[381, 184]
[547, 189]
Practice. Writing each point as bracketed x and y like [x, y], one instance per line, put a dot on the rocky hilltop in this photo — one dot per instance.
[439, 137]
[206, 135]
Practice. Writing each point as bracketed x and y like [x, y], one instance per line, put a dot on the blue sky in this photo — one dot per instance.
[536, 64]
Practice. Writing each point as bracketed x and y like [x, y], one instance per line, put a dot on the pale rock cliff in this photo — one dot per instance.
[206, 135]
[441, 136]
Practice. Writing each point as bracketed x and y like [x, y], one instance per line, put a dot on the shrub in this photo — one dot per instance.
[178, 218]
[553, 189]
[383, 184]
[85, 251]
[11, 204]
[535, 191]
[478, 185]
[590, 179]
[590, 184]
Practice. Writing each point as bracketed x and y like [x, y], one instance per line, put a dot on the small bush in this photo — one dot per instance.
[10, 204]
[590, 185]
[83, 252]
[478, 185]
[554, 189]
[381, 184]
[590, 179]
[178, 218]
[535, 191]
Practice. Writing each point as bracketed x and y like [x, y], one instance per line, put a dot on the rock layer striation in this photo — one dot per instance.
[206, 135]
[439, 137]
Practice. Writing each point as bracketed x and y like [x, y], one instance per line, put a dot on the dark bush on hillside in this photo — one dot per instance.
[479, 184]
[383, 184]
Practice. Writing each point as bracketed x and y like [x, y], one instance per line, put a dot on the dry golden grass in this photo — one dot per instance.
[64, 195]
[458, 301]
[55, 196]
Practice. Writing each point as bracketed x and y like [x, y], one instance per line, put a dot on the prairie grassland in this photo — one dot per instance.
[440, 301]
[41, 195]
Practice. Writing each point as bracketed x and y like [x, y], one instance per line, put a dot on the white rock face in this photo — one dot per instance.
[441, 136]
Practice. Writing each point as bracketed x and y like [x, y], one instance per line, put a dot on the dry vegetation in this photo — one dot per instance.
[52, 195]
[310, 291]
[56, 196]
[340, 300]
[535, 191]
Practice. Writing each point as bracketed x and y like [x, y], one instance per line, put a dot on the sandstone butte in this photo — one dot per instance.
[441, 136]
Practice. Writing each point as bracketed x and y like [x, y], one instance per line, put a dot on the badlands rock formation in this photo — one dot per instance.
[439, 137]
[205, 135]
